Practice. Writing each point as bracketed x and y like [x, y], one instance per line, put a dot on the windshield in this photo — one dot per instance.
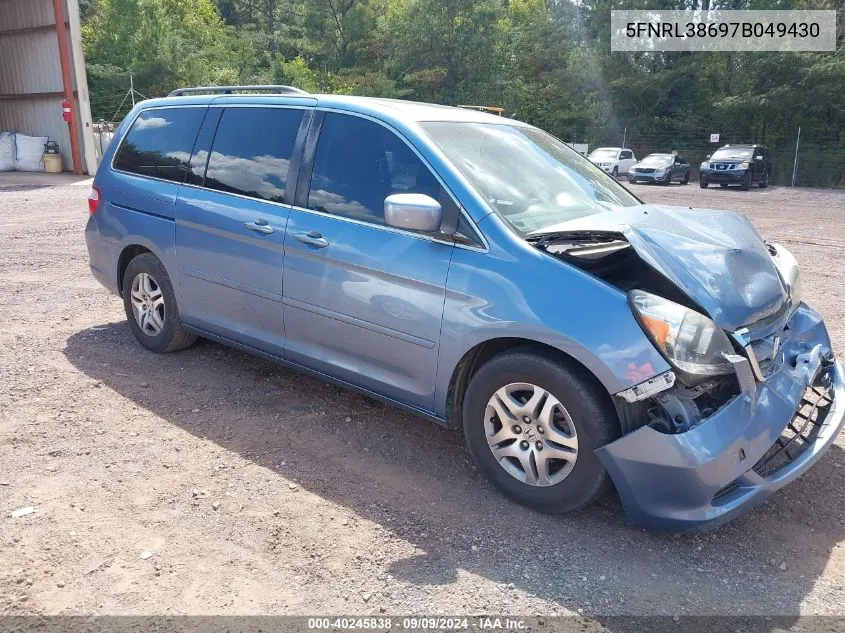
[604, 154]
[732, 153]
[528, 177]
[658, 159]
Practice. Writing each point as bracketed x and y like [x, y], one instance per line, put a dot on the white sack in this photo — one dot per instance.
[7, 151]
[30, 149]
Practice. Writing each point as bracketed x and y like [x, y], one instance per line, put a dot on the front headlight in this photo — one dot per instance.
[659, 172]
[790, 272]
[689, 340]
[703, 165]
[744, 165]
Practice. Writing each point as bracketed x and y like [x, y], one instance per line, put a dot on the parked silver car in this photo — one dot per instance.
[661, 169]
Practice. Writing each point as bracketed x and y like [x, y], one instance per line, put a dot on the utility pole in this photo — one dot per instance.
[795, 162]
[132, 88]
[271, 24]
[624, 137]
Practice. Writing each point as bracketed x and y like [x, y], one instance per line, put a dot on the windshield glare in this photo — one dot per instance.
[658, 159]
[732, 154]
[530, 178]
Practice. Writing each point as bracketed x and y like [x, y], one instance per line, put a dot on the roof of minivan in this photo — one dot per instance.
[390, 108]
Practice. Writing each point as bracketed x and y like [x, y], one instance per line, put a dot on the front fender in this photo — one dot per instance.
[517, 291]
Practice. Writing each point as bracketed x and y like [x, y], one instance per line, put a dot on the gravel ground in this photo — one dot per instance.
[212, 482]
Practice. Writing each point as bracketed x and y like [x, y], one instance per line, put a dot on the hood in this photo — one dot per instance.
[716, 258]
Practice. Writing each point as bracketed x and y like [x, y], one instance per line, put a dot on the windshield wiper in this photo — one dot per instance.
[542, 240]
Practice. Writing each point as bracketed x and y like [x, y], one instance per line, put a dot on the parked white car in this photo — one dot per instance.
[613, 160]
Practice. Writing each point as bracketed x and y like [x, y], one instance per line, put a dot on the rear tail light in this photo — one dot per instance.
[93, 200]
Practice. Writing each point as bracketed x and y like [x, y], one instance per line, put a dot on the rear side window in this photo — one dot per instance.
[358, 164]
[159, 143]
[626, 154]
[252, 150]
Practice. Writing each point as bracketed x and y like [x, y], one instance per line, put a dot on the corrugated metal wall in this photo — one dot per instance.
[31, 90]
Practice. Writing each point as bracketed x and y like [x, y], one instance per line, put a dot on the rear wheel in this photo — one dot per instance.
[150, 305]
[532, 423]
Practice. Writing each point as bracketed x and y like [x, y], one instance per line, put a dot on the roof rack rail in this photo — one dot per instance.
[227, 90]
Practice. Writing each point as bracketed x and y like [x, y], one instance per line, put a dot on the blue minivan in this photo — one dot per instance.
[481, 273]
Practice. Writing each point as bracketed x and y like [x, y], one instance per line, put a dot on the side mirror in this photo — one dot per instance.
[413, 211]
[708, 156]
[758, 158]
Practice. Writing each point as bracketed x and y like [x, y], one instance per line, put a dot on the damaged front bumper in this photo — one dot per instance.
[735, 459]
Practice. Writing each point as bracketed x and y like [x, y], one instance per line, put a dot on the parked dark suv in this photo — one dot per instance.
[743, 165]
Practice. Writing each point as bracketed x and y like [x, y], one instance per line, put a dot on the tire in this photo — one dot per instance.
[615, 173]
[563, 485]
[667, 180]
[162, 331]
[685, 181]
[765, 182]
[746, 182]
[702, 183]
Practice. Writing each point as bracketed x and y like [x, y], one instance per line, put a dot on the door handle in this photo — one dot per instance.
[313, 238]
[259, 226]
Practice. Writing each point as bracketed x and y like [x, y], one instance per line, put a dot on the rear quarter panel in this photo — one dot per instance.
[134, 210]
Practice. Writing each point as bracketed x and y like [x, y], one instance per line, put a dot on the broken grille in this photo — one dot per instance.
[801, 431]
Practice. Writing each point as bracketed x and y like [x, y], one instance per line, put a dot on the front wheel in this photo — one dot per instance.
[667, 180]
[685, 181]
[702, 183]
[615, 172]
[150, 305]
[766, 179]
[532, 422]
[746, 182]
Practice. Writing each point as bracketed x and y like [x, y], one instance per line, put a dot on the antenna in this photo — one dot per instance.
[129, 94]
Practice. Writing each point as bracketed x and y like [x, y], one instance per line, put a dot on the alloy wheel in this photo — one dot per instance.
[147, 302]
[531, 434]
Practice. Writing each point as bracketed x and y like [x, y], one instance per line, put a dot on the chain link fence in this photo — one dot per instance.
[820, 159]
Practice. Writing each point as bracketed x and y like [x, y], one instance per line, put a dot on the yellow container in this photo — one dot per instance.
[53, 163]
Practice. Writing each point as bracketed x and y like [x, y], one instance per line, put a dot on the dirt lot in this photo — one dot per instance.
[259, 490]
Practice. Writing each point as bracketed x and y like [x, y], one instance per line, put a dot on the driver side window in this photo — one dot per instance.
[358, 163]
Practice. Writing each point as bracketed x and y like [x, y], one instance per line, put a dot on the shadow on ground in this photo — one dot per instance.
[414, 479]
